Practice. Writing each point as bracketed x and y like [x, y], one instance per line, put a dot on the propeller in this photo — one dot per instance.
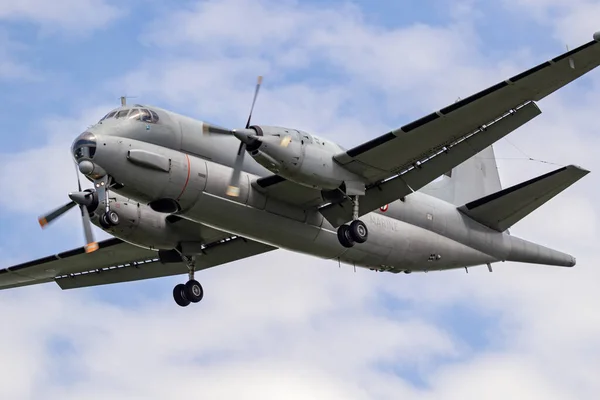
[83, 199]
[245, 136]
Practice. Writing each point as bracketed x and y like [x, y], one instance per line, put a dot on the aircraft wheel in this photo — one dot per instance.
[104, 221]
[112, 218]
[344, 236]
[179, 295]
[193, 291]
[358, 231]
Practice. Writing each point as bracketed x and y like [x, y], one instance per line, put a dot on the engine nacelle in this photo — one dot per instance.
[300, 157]
[142, 226]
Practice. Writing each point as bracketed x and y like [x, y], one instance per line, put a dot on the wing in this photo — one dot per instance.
[398, 150]
[118, 261]
[429, 169]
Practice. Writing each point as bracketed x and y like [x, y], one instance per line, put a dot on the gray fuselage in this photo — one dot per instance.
[417, 233]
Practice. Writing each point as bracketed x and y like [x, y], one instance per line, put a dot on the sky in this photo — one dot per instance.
[283, 325]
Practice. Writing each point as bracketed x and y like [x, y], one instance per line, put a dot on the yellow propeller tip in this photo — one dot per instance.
[91, 247]
[233, 191]
[42, 222]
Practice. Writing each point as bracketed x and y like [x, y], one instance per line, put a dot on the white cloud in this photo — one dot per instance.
[573, 21]
[80, 15]
[11, 68]
[284, 325]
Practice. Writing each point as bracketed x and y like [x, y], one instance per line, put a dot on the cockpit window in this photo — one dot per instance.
[143, 114]
[148, 116]
[135, 114]
[122, 113]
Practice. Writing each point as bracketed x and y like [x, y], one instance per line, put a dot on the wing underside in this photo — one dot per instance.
[415, 177]
[118, 261]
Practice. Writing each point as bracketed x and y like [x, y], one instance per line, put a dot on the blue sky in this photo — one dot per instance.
[284, 323]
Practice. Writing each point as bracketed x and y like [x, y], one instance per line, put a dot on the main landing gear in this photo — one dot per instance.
[190, 292]
[356, 232]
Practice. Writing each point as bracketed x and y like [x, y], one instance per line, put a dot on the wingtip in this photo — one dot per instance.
[91, 247]
[583, 171]
[597, 36]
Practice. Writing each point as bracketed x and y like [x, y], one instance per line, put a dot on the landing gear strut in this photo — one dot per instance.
[109, 218]
[190, 292]
[356, 232]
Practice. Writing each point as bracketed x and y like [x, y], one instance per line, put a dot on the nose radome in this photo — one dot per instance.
[84, 146]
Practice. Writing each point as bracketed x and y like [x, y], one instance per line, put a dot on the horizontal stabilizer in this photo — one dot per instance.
[503, 209]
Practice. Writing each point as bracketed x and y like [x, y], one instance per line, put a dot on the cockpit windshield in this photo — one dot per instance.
[140, 114]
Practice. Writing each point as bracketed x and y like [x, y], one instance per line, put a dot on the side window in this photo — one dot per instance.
[122, 113]
[135, 114]
[145, 116]
[154, 116]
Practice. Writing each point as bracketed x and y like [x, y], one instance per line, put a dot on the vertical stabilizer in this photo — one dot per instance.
[473, 179]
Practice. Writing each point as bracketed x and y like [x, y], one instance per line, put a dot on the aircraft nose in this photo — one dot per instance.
[84, 147]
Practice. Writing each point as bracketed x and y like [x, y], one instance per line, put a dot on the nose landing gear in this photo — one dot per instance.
[192, 291]
[109, 218]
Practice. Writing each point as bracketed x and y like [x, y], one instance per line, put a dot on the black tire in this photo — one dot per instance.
[344, 236]
[179, 295]
[103, 221]
[358, 231]
[194, 291]
[112, 218]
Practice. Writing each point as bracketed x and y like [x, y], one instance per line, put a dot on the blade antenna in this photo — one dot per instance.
[258, 83]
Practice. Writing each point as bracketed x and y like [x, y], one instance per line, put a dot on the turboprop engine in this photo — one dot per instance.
[292, 154]
[128, 220]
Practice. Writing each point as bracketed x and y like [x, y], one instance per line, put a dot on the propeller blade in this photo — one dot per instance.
[77, 174]
[51, 216]
[91, 245]
[234, 183]
[258, 83]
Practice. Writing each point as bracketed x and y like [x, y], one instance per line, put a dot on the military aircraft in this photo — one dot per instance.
[180, 195]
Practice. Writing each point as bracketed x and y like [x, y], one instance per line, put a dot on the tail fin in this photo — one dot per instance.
[500, 210]
[473, 179]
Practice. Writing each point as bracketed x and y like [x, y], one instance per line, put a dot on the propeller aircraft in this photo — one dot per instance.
[180, 195]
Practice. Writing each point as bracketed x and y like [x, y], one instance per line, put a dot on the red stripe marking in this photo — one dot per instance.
[188, 177]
